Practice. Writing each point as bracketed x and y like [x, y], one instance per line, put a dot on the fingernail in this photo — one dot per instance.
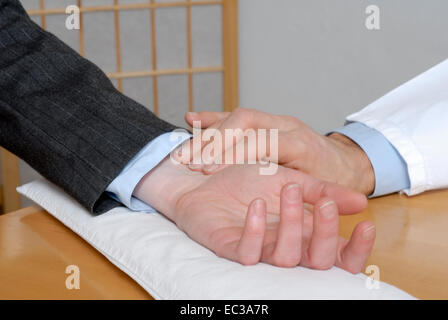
[192, 114]
[292, 193]
[369, 233]
[328, 209]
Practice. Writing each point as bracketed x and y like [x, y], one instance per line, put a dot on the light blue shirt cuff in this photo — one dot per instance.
[122, 187]
[391, 171]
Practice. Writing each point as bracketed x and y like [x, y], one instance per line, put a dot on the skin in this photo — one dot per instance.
[335, 158]
[249, 218]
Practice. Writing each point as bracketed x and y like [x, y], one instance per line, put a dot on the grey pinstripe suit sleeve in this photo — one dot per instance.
[62, 115]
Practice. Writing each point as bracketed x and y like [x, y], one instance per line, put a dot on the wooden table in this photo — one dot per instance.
[411, 252]
[35, 250]
[411, 247]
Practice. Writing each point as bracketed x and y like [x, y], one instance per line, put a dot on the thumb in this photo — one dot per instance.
[207, 118]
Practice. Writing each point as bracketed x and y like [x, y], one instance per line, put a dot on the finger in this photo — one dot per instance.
[323, 248]
[190, 153]
[253, 147]
[251, 243]
[234, 126]
[198, 146]
[307, 231]
[232, 129]
[207, 145]
[349, 201]
[354, 254]
[244, 151]
[207, 118]
[288, 249]
[183, 153]
[235, 123]
[257, 118]
[213, 168]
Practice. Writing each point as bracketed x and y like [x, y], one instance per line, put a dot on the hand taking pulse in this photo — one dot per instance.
[335, 158]
[247, 217]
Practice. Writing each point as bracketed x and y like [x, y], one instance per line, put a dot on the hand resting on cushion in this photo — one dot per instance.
[249, 218]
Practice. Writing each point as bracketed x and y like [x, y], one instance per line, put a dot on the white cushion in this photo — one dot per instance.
[169, 265]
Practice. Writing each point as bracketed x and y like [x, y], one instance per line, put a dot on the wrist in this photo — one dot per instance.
[362, 177]
[164, 185]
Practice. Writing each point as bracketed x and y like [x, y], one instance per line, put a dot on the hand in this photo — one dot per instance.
[247, 217]
[335, 158]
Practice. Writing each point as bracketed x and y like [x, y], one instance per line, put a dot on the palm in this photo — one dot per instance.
[220, 220]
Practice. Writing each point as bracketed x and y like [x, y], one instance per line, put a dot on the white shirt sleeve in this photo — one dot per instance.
[414, 118]
[122, 187]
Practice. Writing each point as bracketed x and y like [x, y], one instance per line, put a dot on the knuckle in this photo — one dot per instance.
[243, 114]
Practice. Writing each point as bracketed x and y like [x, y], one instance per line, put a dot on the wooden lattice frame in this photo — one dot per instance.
[9, 198]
